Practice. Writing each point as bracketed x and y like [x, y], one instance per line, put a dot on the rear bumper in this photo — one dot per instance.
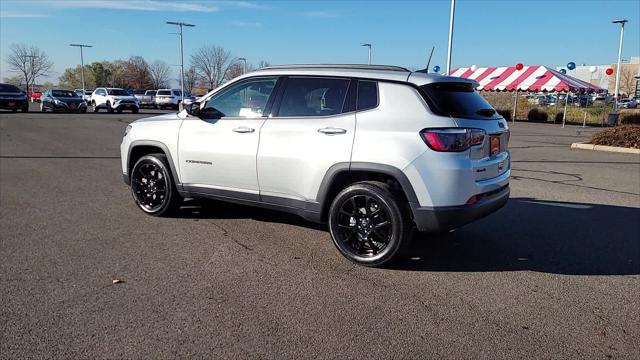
[450, 217]
[11, 104]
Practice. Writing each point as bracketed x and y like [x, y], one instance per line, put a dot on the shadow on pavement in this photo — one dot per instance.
[527, 234]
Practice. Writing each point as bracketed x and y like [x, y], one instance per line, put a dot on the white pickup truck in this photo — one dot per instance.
[146, 97]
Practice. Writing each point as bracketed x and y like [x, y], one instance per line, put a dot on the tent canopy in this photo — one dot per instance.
[530, 78]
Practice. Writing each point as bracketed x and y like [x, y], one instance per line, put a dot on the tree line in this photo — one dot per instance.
[208, 67]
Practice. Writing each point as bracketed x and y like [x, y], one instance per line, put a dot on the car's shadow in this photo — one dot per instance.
[527, 234]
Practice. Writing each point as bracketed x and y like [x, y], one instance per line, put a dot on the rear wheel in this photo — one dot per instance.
[369, 224]
[152, 186]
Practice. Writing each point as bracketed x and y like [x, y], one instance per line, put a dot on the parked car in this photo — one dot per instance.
[582, 100]
[170, 98]
[146, 97]
[34, 96]
[627, 103]
[439, 163]
[86, 96]
[62, 100]
[12, 98]
[113, 99]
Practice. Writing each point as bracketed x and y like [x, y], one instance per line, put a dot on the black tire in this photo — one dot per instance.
[14, 110]
[109, 108]
[369, 224]
[95, 108]
[161, 107]
[154, 193]
[25, 110]
[135, 111]
[84, 110]
[119, 111]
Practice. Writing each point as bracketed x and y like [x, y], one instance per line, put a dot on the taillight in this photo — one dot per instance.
[452, 140]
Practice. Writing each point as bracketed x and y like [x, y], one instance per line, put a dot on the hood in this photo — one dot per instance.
[122, 97]
[163, 117]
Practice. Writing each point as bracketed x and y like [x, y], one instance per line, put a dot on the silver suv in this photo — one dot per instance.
[374, 151]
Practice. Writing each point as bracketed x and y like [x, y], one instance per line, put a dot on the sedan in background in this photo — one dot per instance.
[12, 98]
[62, 100]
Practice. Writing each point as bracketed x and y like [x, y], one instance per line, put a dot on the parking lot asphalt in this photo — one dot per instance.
[554, 274]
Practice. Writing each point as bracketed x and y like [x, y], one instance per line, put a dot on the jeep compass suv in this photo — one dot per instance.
[374, 151]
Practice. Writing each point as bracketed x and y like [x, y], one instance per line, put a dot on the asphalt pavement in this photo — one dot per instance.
[554, 274]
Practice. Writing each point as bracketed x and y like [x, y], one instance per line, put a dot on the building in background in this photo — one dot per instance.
[629, 76]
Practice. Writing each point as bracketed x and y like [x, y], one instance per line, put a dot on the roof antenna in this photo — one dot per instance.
[429, 62]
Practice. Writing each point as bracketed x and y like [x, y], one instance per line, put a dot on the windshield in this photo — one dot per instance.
[63, 93]
[150, 92]
[119, 92]
[139, 92]
[458, 99]
[9, 88]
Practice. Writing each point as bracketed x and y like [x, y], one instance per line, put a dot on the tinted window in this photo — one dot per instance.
[8, 88]
[118, 92]
[138, 92]
[164, 92]
[63, 93]
[313, 97]
[247, 99]
[367, 95]
[150, 92]
[459, 100]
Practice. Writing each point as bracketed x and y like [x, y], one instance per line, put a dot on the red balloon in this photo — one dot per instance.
[609, 71]
[519, 66]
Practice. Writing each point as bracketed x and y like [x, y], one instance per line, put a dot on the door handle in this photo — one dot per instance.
[332, 131]
[243, 129]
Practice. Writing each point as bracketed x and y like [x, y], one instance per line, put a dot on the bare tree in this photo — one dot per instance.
[212, 63]
[160, 73]
[263, 64]
[627, 80]
[117, 71]
[138, 75]
[190, 79]
[29, 61]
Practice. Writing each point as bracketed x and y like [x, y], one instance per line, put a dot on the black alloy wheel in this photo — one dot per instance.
[369, 224]
[152, 186]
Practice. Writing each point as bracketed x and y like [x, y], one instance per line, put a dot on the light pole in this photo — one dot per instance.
[244, 68]
[369, 46]
[615, 94]
[451, 17]
[81, 64]
[181, 24]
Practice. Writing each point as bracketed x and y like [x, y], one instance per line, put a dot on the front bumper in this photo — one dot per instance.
[70, 107]
[445, 218]
[125, 106]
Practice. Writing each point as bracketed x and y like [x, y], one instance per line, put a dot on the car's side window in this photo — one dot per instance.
[367, 95]
[313, 96]
[247, 99]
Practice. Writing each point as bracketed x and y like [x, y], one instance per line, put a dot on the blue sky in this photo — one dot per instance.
[402, 32]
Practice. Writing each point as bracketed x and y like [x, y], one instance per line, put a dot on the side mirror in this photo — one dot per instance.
[193, 108]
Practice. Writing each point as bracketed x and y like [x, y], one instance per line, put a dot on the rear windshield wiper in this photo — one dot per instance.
[486, 112]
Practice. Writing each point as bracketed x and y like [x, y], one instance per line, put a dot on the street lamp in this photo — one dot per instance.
[453, 10]
[369, 46]
[244, 69]
[181, 24]
[81, 64]
[621, 22]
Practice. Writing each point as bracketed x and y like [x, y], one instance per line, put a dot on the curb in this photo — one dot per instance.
[584, 146]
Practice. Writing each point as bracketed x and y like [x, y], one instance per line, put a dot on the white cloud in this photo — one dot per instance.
[139, 5]
[12, 14]
[245, 4]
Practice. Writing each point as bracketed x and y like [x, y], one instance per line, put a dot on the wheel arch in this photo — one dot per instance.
[344, 174]
[140, 148]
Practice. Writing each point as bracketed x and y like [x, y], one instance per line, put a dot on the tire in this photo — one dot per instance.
[109, 108]
[14, 110]
[159, 197]
[95, 107]
[161, 107]
[135, 111]
[369, 224]
[25, 110]
[84, 110]
[119, 111]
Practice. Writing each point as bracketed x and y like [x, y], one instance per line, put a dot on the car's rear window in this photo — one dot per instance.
[458, 99]
[120, 92]
[164, 92]
[8, 88]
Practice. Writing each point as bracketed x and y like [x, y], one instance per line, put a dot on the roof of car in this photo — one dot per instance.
[377, 72]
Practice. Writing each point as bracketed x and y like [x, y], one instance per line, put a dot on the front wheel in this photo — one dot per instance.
[369, 224]
[152, 186]
[109, 108]
[94, 106]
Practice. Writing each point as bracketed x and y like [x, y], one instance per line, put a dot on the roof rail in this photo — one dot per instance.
[336, 66]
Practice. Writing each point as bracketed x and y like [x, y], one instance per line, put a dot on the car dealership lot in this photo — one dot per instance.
[555, 274]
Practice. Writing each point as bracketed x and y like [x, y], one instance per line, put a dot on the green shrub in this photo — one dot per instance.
[537, 115]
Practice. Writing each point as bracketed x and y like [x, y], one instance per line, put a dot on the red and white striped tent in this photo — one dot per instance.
[530, 78]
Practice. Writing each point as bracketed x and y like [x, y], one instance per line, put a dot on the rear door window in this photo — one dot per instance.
[164, 92]
[313, 96]
[458, 99]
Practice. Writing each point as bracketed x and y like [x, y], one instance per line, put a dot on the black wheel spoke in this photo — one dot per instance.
[149, 185]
